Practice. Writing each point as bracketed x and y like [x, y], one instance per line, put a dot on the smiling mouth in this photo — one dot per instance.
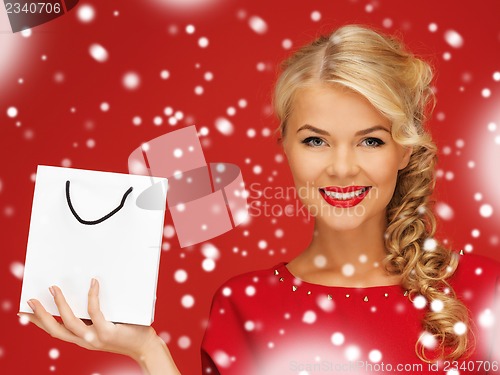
[344, 197]
[338, 195]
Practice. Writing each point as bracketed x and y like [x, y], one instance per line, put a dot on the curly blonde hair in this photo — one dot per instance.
[398, 84]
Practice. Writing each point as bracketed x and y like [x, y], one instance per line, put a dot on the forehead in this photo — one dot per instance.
[329, 106]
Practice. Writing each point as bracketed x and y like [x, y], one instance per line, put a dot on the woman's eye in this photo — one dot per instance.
[373, 142]
[313, 142]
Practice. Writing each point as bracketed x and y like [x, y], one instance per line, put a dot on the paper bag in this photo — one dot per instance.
[87, 224]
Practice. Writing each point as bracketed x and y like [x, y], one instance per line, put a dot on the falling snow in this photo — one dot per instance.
[184, 342]
[203, 42]
[352, 353]
[165, 336]
[224, 126]
[17, 269]
[375, 356]
[208, 265]
[24, 319]
[428, 340]
[430, 244]
[187, 301]
[453, 38]
[131, 81]
[262, 244]
[286, 44]
[387, 23]
[136, 120]
[257, 169]
[419, 302]
[90, 143]
[486, 93]
[53, 353]
[168, 231]
[348, 270]
[257, 24]
[86, 13]
[12, 112]
[249, 325]
[487, 319]
[337, 339]
[180, 276]
[210, 251]
[459, 328]
[222, 359]
[165, 74]
[437, 305]
[98, 52]
[486, 210]
[26, 33]
[250, 290]
[309, 317]
[325, 304]
[315, 16]
[444, 211]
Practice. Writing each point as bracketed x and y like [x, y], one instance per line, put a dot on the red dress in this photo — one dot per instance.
[270, 323]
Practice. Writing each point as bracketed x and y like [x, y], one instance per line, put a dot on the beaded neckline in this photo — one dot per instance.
[300, 286]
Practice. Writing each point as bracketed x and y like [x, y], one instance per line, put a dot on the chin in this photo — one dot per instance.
[341, 224]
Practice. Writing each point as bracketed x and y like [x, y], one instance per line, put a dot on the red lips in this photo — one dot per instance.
[344, 203]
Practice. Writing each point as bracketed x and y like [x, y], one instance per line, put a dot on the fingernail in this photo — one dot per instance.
[52, 291]
[92, 283]
[31, 305]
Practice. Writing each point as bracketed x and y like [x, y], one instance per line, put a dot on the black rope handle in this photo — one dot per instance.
[105, 217]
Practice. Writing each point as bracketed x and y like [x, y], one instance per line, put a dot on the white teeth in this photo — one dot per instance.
[345, 196]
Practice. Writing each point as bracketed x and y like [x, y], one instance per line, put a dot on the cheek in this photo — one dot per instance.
[303, 170]
[383, 173]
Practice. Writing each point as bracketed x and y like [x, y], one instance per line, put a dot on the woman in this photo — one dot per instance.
[373, 291]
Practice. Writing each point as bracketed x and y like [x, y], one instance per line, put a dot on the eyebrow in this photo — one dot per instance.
[325, 133]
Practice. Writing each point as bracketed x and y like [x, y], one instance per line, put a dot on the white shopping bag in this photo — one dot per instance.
[87, 224]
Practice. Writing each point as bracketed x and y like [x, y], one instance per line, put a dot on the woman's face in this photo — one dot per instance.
[342, 156]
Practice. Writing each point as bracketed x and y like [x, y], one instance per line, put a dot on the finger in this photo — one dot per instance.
[94, 308]
[71, 322]
[31, 318]
[46, 321]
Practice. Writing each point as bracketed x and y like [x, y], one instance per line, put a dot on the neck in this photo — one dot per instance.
[348, 246]
[332, 255]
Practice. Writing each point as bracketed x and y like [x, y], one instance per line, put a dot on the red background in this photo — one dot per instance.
[149, 36]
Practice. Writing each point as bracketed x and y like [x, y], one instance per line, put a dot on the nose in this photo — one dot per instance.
[343, 163]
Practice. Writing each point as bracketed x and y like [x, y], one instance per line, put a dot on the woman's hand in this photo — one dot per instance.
[139, 342]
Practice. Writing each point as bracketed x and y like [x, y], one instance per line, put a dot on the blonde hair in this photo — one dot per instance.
[398, 84]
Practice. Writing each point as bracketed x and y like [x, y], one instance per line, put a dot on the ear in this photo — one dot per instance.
[407, 151]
